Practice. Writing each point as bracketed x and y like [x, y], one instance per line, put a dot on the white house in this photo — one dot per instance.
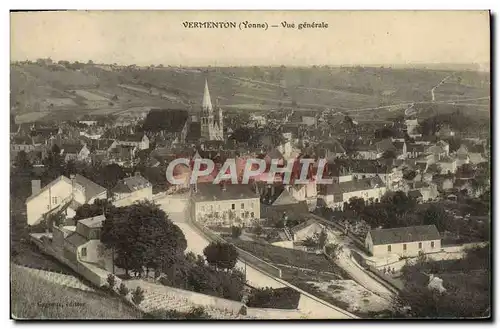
[403, 241]
[368, 189]
[82, 243]
[224, 204]
[59, 194]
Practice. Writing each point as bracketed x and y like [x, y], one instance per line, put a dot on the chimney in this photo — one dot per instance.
[35, 186]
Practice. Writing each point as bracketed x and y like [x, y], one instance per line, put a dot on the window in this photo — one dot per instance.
[233, 206]
[404, 246]
[242, 206]
[432, 244]
[389, 248]
[202, 208]
[54, 200]
[84, 252]
[420, 245]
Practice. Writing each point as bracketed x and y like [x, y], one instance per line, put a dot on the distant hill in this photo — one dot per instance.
[44, 91]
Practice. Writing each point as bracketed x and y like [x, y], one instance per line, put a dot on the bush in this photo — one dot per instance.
[283, 298]
[123, 290]
[235, 231]
[111, 281]
[138, 295]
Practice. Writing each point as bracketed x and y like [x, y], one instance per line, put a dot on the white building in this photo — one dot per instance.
[224, 204]
[403, 241]
[61, 193]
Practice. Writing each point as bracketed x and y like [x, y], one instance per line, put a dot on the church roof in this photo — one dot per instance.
[206, 103]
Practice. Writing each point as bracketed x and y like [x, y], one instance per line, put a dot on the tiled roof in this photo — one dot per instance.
[71, 148]
[355, 185]
[214, 192]
[93, 221]
[404, 234]
[131, 184]
[76, 239]
[91, 189]
[131, 138]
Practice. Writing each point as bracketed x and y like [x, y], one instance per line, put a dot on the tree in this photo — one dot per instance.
[142, 237]
[435, 215]
[123, 290]
[138, 295]
[235, 231]
[99, 207]
[322, 239]
[333, 250]
[258, 230]
[54, 219]
[221, 255]
[111, 281]
[356, 204]
[22, 162]
[90, 62]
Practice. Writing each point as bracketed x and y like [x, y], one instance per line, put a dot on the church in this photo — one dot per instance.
[211, 121]
[183, 126]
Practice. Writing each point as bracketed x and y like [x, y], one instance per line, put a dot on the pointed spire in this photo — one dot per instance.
[207, 103]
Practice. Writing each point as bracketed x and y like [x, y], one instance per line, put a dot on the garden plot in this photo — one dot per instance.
[359, 299]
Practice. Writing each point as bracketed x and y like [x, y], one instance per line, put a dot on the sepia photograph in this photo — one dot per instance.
[250, 165]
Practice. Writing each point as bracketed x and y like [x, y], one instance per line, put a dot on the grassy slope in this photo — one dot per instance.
[30, 295]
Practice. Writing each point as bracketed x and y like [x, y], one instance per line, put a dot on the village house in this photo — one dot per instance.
[473, 153]
[132, 189]
[139, 141]
[277, 200]
[390, 175]
[22, 144]
[403, 241]
[224, 204]
[61, 194]
[415, 150]
[75, 152]
[335, 195]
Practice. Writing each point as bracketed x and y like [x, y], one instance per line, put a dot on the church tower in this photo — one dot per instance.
[211, 124]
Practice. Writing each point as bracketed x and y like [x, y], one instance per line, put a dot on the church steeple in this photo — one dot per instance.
[206, 103]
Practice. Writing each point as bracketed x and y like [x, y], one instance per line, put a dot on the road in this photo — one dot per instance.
[350, 266]
[311, 307]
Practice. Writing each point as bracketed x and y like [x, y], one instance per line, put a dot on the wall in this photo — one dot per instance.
[44, 202]
[411, 248]
[94, 252]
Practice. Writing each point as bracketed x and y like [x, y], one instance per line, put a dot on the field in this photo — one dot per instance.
[364, 92]
[35, 298]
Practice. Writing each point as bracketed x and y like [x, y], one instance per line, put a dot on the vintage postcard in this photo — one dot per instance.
[251, 165]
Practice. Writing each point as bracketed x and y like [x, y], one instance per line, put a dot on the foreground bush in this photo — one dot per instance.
[284, 298]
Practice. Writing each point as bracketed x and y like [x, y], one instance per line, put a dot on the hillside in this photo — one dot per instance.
[35, 298]
[56, 92]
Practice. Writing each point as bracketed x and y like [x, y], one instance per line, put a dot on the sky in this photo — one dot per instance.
[159, 37]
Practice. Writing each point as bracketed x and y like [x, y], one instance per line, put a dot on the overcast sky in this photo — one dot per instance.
[159, 37]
